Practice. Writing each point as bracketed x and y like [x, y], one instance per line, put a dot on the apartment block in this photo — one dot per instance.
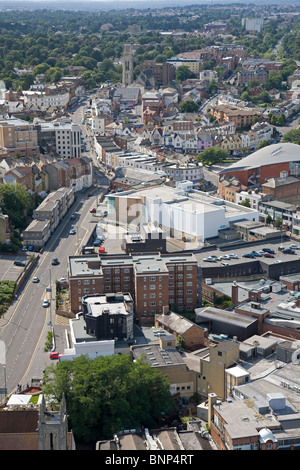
[240, 117]
[54, 207]
[18, 136]
[153, 280]
[37, 233]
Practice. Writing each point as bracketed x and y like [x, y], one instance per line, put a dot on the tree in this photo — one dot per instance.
[183, 73]
[245, 202]
[14, 200]
[292, 136]
[263, 143]
[212, 155]
[189, 106]
[269, 219]
[278, 222]
[108, 394]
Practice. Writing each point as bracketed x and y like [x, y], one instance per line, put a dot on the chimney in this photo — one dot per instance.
[166, 310]
[212, 399]
[235, 293]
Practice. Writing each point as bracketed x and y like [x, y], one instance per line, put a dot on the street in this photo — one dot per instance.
[25, 326]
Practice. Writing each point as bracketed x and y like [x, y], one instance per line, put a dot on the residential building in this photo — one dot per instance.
[18, 137]
[54, 207]
[185, 172]
[240, 117]
[4, 229]
[163, 73]
[153, 280]
[164, 356]
[48, 97]
[37, 233]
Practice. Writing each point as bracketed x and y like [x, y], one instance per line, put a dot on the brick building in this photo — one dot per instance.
[266, 163]
[153, 280]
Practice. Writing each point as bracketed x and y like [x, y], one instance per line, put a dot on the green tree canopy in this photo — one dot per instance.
[189, 106]
[292, 136]
[14, 200]
[108, 394]
[212, 155]
[183, 73]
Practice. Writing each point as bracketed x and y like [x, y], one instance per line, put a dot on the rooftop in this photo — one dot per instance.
[269, 155]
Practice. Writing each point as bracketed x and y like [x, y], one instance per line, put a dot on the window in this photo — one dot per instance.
[86, 282]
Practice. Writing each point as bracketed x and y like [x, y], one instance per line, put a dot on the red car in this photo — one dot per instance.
[54, 355]
[268, 255]
[93, 210]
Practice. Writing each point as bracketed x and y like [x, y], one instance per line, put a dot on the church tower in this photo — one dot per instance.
[53, 427]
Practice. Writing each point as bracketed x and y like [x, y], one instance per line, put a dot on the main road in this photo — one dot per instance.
[25, 326]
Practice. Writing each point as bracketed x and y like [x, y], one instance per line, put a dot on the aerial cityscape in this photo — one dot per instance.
[149, 228]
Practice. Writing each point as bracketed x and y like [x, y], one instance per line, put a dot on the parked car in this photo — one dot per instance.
[93, 211]
[225, 257]
[210, 259]
[294, 247]
[268, 250]
[269, 255]
[224, 264]
[248, 255]
[35, 279]
[233, 256]
[277, 261]
[72, 231]
[19, 263]
[288, 251]
[256, 253]
[54, 261]
[73, 216]
[54, 355]
[46, 303]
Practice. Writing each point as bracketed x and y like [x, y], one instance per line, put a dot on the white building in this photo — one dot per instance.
[182, 214]
[253, 197]
[181, 172]
[44, 99]
[62, 136]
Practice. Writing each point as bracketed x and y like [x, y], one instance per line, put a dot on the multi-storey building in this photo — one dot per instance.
[60, 137]
[153, 280]
[18, 137]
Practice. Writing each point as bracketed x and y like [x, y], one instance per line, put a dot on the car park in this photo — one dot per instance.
[19, 263]
[46, 303]
[210, 259]
[35, 279]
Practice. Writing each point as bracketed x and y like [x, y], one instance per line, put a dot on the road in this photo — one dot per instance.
[25, 326]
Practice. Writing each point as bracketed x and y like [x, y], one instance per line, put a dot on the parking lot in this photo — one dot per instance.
[8, 271]
[240, 251]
